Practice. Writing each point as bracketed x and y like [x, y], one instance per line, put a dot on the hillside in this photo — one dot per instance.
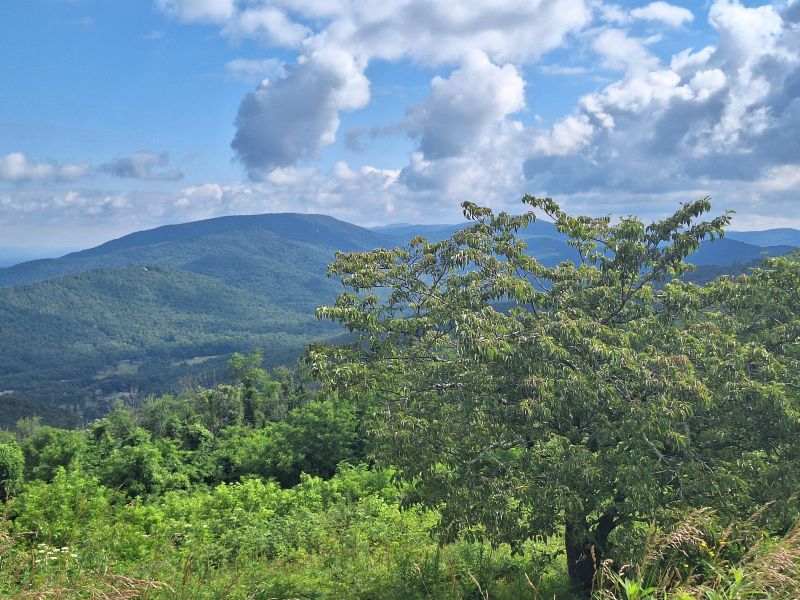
[294, 241]
[156, 309]
[87, 336]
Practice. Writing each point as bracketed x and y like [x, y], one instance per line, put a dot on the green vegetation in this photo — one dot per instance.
[84, 337]
[251, 490]
[161, 310]
[595, 400]
[493, 428]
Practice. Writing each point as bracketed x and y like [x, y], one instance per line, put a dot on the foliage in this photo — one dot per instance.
[11, 467]
[79, 340]
[345, 537]
[524, 400]
[551, 422]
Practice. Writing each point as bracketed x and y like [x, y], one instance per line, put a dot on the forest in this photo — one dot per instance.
[492, 427]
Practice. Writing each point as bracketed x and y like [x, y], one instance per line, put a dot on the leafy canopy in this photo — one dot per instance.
[521, 399]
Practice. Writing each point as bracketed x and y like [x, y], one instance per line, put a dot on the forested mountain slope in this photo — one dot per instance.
[155, 309]
[86, 336]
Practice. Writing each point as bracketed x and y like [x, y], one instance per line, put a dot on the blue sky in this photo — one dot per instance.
[117, 116]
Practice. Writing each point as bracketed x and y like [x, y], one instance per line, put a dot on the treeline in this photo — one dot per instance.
[258, 425]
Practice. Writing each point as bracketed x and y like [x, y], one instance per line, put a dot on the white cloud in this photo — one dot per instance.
[90, 203]
[567, 136]
[620, 51]
[708, 119]
[291, 119]
[18, 168]
[439, 32]
[688, 60]
[666, 13]
[269, 24]
[706, 83]
[198, 10]
[709, 122]
[462, 108]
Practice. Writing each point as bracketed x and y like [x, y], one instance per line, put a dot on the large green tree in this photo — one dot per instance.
[523, 400]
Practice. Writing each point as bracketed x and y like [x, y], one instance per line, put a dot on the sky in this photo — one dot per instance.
[120, 116]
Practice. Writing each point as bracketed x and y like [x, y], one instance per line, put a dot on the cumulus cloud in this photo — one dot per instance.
[462, 108]
[724, 118]
[142, 165]
[18, 168]
[725, 113]
[291, 119]
[620, 51]
[437, 32]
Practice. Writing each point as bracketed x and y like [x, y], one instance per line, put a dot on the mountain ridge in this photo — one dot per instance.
[149, 310]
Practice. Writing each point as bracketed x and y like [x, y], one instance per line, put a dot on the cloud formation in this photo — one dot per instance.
[18, 168]
[724, 118]
[666, 13]
[462, 108]
[724, 113]
[291, 119]
[142, 166]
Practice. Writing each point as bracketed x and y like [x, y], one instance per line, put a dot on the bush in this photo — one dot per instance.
[12, 465]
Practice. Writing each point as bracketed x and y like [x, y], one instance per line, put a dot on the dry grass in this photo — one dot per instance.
[769, 569]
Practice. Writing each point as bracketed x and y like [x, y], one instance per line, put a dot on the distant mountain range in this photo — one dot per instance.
[162, 309]
[10, 256]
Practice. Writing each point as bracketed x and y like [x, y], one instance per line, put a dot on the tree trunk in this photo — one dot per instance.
[578, 543]
[586, 549]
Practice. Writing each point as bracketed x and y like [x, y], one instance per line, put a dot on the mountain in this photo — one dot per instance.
[150, 309]
[549, 245]
[195, 246]
[725, 252]
[162, 309]
[768, 237]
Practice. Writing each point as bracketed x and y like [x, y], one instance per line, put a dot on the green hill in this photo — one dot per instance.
[274, 241]
[86, 337]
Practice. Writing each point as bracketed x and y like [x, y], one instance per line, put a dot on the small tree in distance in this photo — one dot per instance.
[522, 400]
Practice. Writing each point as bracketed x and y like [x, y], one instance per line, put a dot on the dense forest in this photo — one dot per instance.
[492, 426]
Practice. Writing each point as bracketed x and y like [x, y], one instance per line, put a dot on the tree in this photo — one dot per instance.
[12, 466]
[260, 394]
[520, 399]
